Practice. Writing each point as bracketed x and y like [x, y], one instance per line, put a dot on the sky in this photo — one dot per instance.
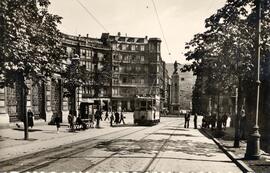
[179, 19]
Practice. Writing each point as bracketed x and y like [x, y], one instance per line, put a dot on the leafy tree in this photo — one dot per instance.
[73, 77]
[226, 50]
[102, 74]
[30, 46]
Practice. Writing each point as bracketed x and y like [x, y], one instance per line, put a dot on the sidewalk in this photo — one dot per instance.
[42, 137]
[238, 154]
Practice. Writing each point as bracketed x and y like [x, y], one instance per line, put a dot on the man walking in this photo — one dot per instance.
[195, 121]
[116, 117]
[106, 116]
[98, 117]
[111, 119]
[187, 118]
[122, 118]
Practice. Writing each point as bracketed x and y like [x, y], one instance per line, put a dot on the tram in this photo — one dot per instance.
[147, 110]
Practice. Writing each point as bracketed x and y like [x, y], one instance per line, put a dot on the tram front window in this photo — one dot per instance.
[143, 105]
[149, 107]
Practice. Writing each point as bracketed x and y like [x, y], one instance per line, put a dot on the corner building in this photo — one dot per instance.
[136, 68]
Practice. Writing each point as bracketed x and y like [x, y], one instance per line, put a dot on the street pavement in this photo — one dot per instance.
[165, 147]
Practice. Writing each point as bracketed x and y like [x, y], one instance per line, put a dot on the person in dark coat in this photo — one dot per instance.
[224, 119]
[57, 122]
[111, 119]
[187, 118]
[122, 118]
[116, 115]
[106, 116]
[98, 117]
[213, 121]
[30, 118]
[71, 121]
[195, 120]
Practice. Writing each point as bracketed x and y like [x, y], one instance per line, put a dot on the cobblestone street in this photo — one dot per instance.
[164, 147]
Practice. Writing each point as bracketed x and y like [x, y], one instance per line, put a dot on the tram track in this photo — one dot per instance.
[146, 168]
[112, 155]
[46, 157]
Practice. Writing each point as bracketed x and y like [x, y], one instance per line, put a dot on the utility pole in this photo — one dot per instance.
[253, 142]
[236, 143]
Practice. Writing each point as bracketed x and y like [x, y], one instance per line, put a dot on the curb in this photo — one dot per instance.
[239, 163]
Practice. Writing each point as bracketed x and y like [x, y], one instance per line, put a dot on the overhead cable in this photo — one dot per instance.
[159, 22]
[92, 15]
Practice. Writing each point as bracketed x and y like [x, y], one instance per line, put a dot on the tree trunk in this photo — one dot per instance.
[239, 108]
[23, 104]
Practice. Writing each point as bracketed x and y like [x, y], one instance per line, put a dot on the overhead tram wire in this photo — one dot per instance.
[92, 15]
[159, 22]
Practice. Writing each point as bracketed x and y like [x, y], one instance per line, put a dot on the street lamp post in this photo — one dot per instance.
[74, 64]
[236, 143]
[253, 142]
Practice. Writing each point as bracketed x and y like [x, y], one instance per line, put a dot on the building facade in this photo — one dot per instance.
[137, 69]
[120, 68]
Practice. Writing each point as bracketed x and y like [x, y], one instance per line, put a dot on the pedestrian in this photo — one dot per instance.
[30, 118]
[111, 119]
[116, 115]
[204, 121]
[187, 118]
[224, 119]
[98, 117]
[71, 121]
[195, 120]
[243, 122]
[57, 122]
[122, 117]
[106, 116]
[213, 121]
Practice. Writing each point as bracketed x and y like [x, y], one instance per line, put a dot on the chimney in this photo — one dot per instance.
[146, 37]
[119, 34]
[87, 35]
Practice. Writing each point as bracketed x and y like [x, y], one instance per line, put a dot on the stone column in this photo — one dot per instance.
[29, 95]
[175, 93]
[4, 118]
[78, 99]
[65, 110]
[49, 112]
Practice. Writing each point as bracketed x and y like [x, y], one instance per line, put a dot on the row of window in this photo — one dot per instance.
[129, 91]
[127, 80]
[131, 47]
[91, 91]
[90, 66]
[130, 68]
[129, 58]
[89, 54]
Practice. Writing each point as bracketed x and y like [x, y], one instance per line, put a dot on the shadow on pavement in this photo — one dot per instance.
[177, 129]
[149, 146]
[29, 139]
[29, 130]
[124, 125]
[170, 134]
